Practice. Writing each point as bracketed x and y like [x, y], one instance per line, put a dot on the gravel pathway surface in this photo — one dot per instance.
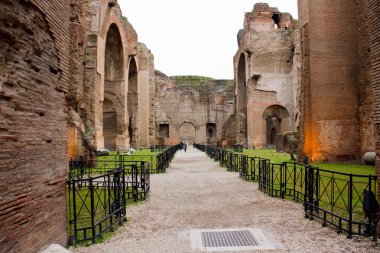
[196, 193]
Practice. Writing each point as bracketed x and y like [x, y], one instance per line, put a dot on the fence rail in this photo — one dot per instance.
[344, 201]
[95, 205]
[99, 189]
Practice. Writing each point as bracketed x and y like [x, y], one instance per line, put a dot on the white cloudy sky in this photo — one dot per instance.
[193, 37]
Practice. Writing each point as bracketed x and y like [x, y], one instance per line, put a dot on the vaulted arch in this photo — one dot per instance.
[277, 121]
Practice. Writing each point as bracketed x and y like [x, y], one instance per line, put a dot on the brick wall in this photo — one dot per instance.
[334, 100]
[33, 161]
[366, 92]
[57, 14]
[374, 22]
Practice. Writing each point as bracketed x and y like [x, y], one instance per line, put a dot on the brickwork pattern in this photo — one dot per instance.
[33, 160]
[58, 15]
[374, 22]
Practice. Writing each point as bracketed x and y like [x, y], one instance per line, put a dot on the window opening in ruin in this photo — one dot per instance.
[164, 130]
[132, 102]
[277, 121]
[276, 19]
[210, 130]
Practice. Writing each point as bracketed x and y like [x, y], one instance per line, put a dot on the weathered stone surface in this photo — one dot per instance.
[106, 65]
[265, 77]
[33, 160]
[332, 68]
[369, 158]
[373, 22]
[55, 248]
[192, 109]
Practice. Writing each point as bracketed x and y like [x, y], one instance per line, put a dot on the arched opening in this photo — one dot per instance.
[187, 133]
[276, 19]
[211, 130]
[132, 102]
[113, 83]
[277, 121]
[114, 59]
[242, 99]
[164, 131]
[109, 124]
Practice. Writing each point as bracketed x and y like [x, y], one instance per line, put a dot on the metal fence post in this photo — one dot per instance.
[110, 204]
[349, 236]
[92, 211]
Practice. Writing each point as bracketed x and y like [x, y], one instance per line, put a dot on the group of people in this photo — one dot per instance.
[182, 146]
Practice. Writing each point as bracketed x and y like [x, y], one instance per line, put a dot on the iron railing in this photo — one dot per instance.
[338, 199]
[95, 205]
[98, 190]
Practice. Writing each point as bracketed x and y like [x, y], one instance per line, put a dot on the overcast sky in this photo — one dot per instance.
[193, 37]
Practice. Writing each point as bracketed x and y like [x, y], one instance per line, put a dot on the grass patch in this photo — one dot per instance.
[333, 187]
[83, 213]
[277, 157]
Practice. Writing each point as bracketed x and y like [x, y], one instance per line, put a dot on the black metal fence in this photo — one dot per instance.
[337, 199]
[95, 205]
[99, 189]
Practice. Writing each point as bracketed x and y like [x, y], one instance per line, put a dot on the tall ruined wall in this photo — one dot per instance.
[194, 108]
[367, 132]
[266, 69]
[34, 43]
[97, 80]
[374, 22]
[336, 96]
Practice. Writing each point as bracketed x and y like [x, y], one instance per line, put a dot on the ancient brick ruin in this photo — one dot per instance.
[192, 109]
[34, 73]
[110, 107]
[265, 77]
[75, 79]
[335, 81]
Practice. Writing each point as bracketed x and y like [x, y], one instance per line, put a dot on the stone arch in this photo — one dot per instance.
[187, 132]
[241, 98]
[114, 56]
[113, 89]
[277, 121]
[132, 103]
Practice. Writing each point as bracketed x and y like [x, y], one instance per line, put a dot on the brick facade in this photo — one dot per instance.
[33, 162]
[335, 86]
[374, 21]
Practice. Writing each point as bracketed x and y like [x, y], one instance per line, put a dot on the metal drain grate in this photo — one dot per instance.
[229, 240]
[239, 238]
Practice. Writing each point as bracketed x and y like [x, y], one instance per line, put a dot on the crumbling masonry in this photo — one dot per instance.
[266, 84]
[74, 79]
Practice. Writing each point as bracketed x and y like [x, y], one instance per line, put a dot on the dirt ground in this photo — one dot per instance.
[196, 193]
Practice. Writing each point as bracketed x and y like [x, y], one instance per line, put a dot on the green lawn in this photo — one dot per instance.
[334, 188]
[277, 157]
[83, 211]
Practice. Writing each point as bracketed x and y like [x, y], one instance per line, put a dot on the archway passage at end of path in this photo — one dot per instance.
[109, 124]
[187, 133]
[277, 121]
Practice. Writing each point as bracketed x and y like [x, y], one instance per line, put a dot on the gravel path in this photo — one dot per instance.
[196, 193]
